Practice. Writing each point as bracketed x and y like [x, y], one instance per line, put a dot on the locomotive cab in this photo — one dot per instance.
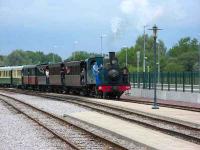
[89, 64]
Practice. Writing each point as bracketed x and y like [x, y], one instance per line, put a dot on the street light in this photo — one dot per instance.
[155, 29]
[144, 61]
[159, 63]
[101, 37]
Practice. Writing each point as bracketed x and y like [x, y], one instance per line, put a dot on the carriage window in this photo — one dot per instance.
[18, 73]
[13, 73]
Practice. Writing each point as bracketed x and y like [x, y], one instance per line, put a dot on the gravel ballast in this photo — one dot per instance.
[19, 132]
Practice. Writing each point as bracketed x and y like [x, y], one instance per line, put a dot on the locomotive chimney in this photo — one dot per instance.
[111, 56]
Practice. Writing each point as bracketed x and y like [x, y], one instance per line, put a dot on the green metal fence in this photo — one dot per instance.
[176, 81]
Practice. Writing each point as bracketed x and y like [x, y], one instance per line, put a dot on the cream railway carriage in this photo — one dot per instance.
[11, 76]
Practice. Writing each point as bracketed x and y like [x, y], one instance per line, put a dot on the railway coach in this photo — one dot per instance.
[11, 76]
[5, 76]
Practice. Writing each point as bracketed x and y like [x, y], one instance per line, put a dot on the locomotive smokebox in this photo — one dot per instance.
[111, 56]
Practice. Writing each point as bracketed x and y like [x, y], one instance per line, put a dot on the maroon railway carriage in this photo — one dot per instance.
[56, 76]
[29, 76]
[42, 72]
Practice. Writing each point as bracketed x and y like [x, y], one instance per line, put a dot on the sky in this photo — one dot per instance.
[64, 26]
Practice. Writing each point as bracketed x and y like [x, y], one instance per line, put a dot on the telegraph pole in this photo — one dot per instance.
[101, 37]
[144, 61]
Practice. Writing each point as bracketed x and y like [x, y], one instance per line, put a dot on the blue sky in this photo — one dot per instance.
[55, 25]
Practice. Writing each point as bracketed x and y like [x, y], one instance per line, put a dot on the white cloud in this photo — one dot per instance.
[116, 24]
[129, 6]
[141, 12]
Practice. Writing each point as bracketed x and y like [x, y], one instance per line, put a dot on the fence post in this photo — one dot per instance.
[143, 80]
[183, 81]
[149, 81]
[175, 81]
[139, 79]
[168, 80]
[161, 75]
[191, 81]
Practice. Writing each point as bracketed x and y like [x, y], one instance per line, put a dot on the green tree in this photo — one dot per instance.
[184, 55]
[81, 55]
[2, 60]
[139, 46]
[20, 57]
[52, 58]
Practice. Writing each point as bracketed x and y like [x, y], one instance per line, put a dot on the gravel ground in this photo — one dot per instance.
[61, 108]
[18, 132]
[67, 131]
[57, 107]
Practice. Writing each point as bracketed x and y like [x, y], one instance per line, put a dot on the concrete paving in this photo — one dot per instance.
[184, 116]
[135, 132]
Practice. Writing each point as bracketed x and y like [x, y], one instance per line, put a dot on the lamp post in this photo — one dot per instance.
[158, 64]
[144, 61]
[101, 37]
[155, 29]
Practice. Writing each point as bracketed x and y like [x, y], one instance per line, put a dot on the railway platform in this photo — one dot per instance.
[141, 134]
[185, 117]
[162, 101]
[152, 138]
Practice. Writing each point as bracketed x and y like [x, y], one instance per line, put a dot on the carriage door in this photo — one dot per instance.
[83, 71]
[62, 74]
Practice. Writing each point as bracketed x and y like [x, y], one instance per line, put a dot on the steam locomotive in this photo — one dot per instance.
[97, 76]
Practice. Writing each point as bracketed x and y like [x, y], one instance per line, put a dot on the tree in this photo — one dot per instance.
[139, 46]
[52, 58]
[81, 55]
[184, 55]
[2, 60]
[20, 57]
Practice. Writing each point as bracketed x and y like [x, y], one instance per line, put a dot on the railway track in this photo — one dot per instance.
[182, 130]
[71, 134]
[135, 100]
[166, 125]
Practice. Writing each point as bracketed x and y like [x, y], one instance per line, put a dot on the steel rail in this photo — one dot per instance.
[132, 116]
[55, 117]
[176, 106]
[135, 116]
